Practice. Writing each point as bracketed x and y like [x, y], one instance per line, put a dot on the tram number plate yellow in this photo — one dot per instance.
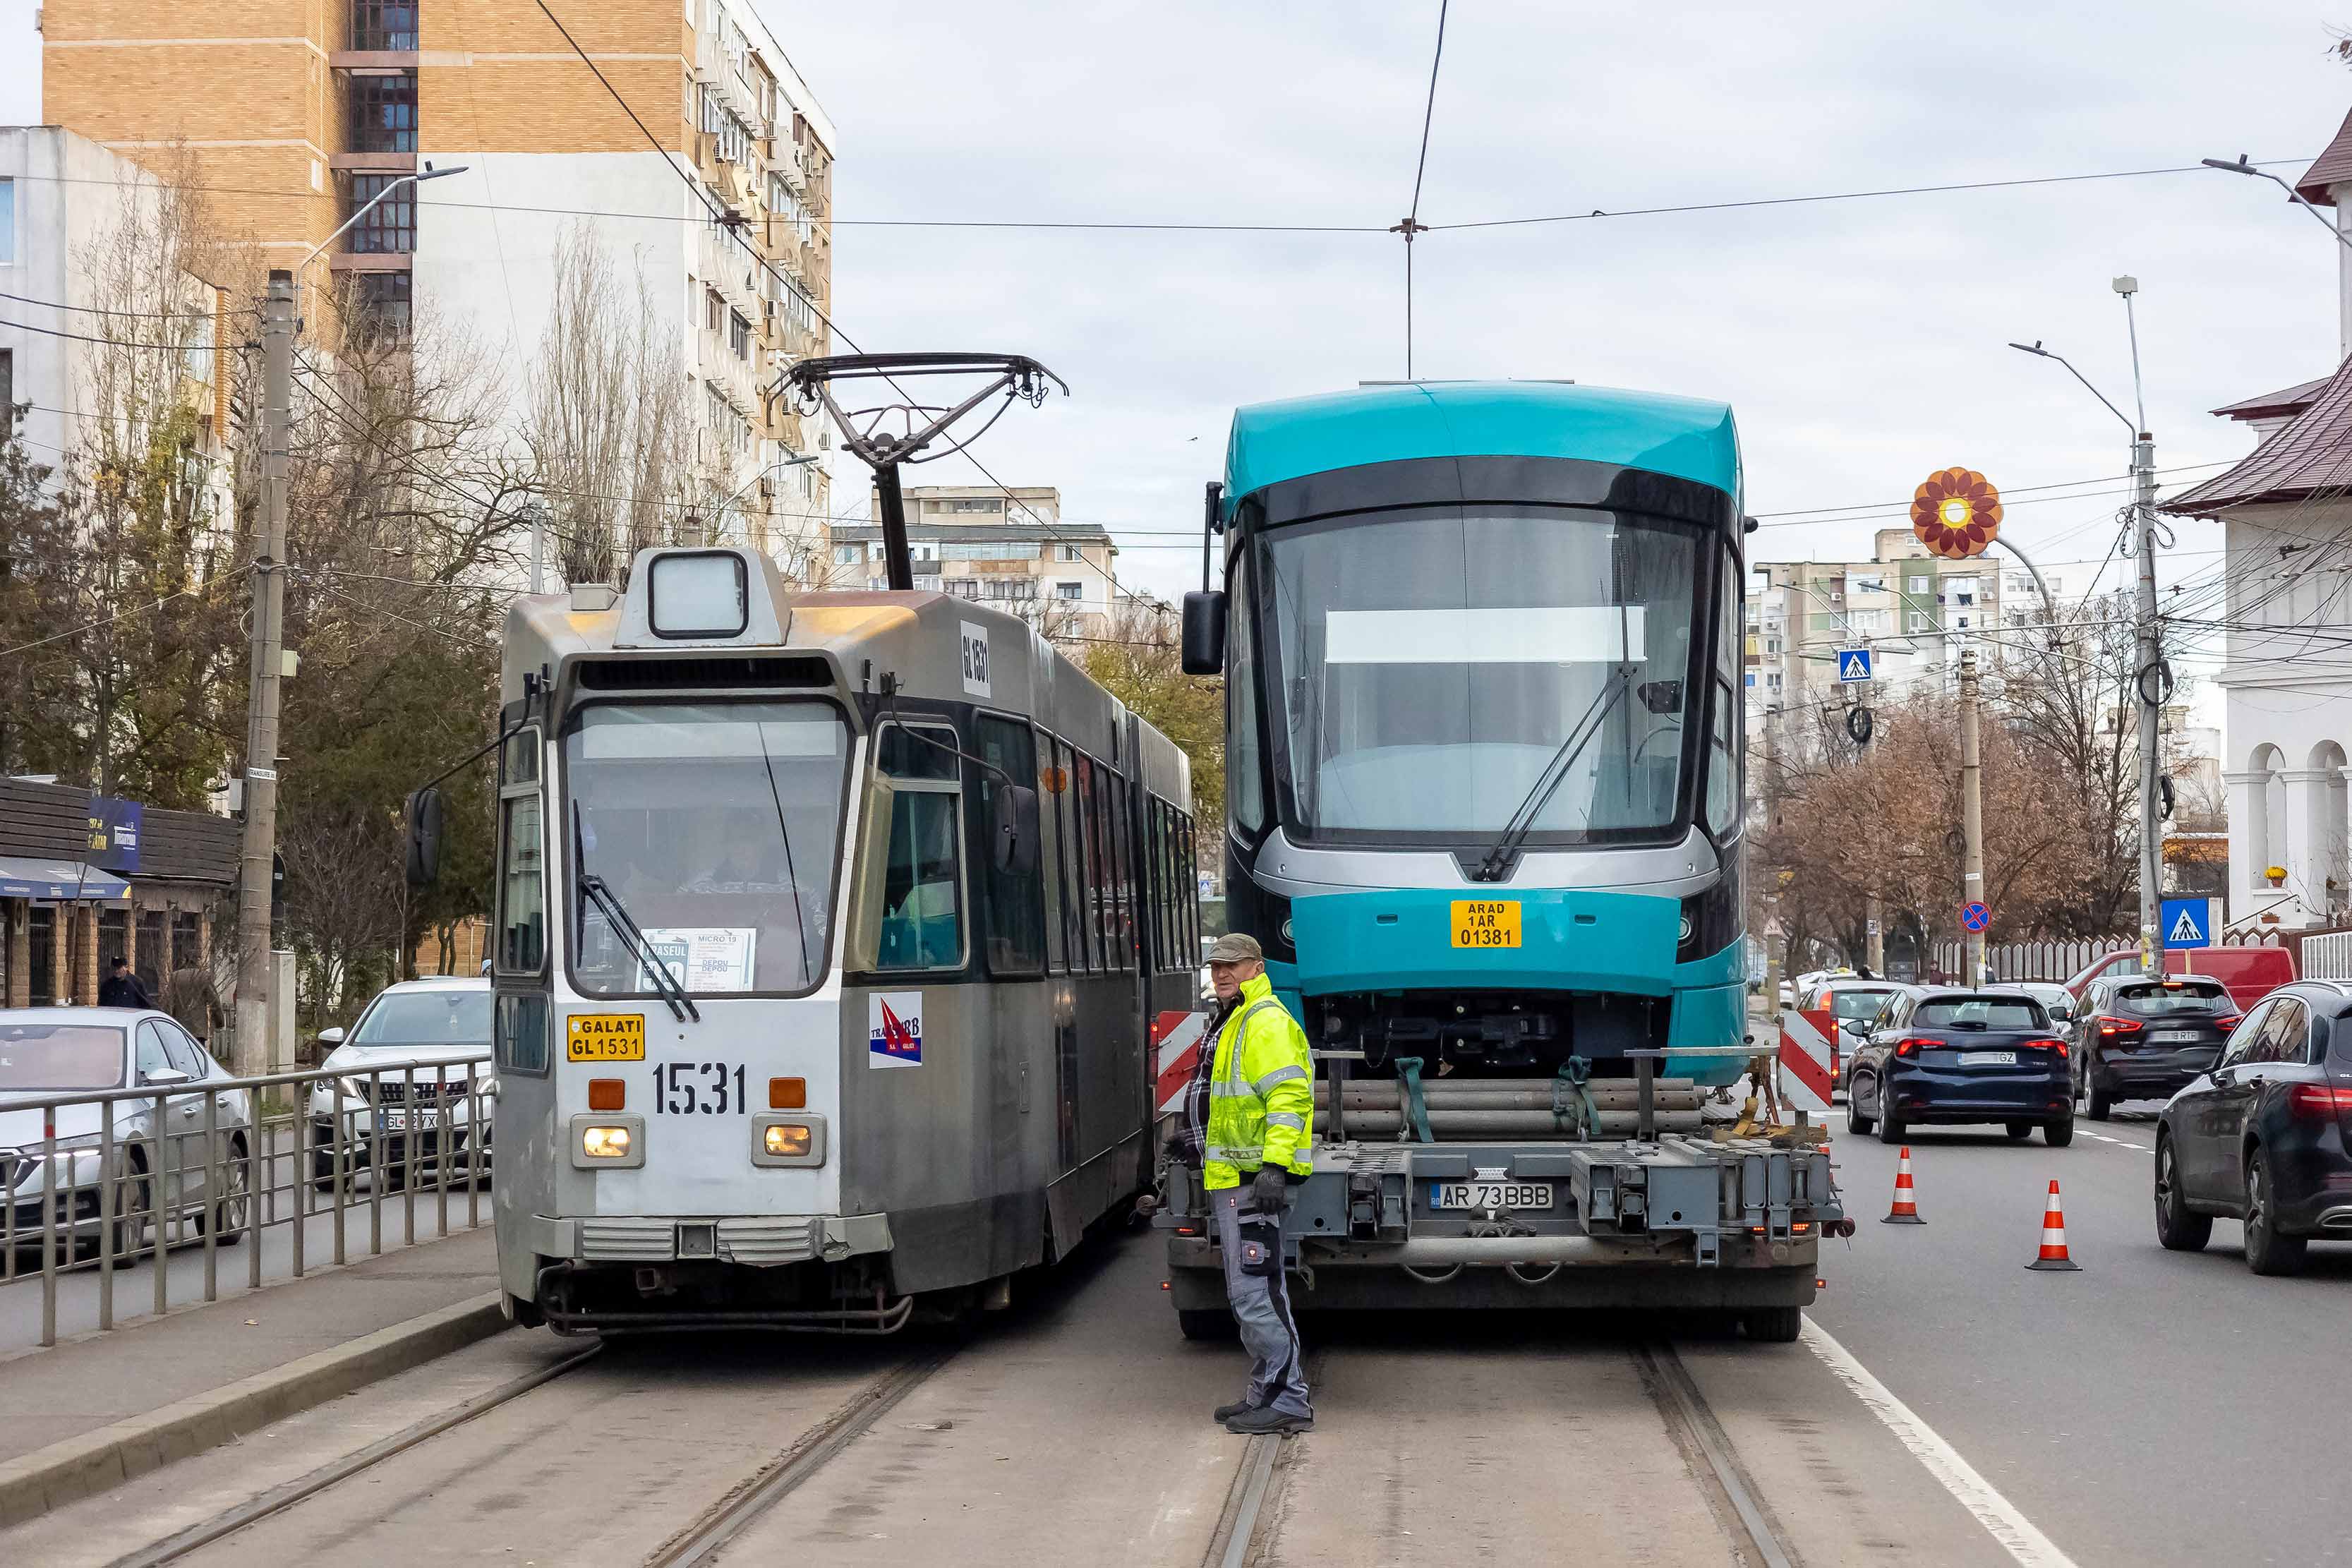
[1486, 922]
[606, 1038]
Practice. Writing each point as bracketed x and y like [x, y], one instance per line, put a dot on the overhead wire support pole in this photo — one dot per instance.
[2151, 677]
[254, 980]
[1972, 872]
[1412, 224]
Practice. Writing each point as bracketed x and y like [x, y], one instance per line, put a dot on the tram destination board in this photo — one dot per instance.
[1486, 922]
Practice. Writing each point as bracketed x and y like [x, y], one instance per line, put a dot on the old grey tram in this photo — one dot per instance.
[831, 934]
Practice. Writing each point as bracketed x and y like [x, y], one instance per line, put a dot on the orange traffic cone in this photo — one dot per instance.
[1907, 1206]
[2053, 1258]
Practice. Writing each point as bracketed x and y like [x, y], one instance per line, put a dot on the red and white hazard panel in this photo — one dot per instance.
[1176, 1040]
[1809, 1057]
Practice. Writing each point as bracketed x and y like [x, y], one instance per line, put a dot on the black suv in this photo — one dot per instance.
[2142, 1037]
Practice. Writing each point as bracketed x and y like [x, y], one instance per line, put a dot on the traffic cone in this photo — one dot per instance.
[2053, 1258]
[1907, 1206]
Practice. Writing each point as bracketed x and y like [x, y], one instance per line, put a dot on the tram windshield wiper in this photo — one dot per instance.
[600, 892]
[1500, 858]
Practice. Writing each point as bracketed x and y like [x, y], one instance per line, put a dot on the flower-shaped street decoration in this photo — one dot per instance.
[1955, 513]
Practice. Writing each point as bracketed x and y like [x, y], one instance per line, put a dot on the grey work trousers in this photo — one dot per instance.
[1261, 1307]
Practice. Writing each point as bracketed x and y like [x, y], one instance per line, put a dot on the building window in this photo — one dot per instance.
[384, 113]
[963, 587]
[389, 227]
[1923, 586]
[1069, 590]
[382, 301]
[7, 223]
[849, 555]
[1070, 553]
[7, 392]
[739, 336]
[384, 24]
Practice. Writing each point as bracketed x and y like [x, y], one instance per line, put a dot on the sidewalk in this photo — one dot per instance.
[89, 1413]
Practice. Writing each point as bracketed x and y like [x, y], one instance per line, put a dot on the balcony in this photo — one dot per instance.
[713, 68]
[727, 264]
[733, 379]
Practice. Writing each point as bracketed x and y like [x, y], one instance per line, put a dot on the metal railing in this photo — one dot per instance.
[2055, 960]
[173, 1164]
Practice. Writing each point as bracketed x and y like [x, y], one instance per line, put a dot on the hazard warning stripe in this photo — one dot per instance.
[1809, 1052]
[1177, 1038]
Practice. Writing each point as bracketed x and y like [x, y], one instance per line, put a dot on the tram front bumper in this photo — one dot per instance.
[764, 1241]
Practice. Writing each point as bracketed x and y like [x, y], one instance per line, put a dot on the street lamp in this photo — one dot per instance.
[428, 173]
[797, 460]
[2245, 165]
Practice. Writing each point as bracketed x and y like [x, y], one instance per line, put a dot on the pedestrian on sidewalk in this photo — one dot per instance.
[120, 988]
[1253, 1105]
[189, 996]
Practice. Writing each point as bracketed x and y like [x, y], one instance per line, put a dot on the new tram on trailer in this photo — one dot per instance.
[830, 932]
[1483, 648]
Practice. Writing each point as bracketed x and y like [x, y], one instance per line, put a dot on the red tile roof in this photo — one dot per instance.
[2310, 454]
[2331, 168]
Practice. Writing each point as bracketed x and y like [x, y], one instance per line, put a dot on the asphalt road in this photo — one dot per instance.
[2155, 1407]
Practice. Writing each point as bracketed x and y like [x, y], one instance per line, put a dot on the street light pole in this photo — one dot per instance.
[1972, 875]
[427, 173]
[254, 983]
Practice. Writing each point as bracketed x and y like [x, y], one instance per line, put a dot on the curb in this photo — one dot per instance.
[94, 1461]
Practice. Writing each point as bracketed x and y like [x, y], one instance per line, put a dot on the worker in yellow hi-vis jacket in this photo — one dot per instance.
[1255, 1149]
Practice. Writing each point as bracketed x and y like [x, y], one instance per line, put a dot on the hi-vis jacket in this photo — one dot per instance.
[1261, 1091]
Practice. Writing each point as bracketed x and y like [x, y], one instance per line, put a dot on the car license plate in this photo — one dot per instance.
[1486, 922]
[2171, 1037]
[606, 1038]
[1988, 1058]
[394, 1118]
[1490, 1194]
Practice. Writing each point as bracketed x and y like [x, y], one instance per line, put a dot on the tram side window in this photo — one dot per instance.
[1089, 859]
[1070, 856]
[1012, 903]
[1155, 865]
[522, 882]
[1052, 848]
[1724, 792]
[1243, 786]
[1190, 863]
[922, 902]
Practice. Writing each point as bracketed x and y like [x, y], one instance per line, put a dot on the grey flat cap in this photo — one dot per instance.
[1236, 947]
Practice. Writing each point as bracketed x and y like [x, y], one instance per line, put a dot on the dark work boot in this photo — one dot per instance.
[1227, 1411]
[1269, 1422]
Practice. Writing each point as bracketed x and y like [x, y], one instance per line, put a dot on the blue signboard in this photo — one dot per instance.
[1853, 664]
[1976, 917]
[2185, 922]
[114, 827]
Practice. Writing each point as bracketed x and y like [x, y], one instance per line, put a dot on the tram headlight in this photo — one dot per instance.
[789, 1140]
[604, 1142]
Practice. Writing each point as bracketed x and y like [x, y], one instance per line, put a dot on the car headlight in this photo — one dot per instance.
[352, 1088]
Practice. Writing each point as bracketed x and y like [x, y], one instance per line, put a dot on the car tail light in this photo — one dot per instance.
[2111, 1026]
[2320, 1102]
[2229, 1021]
[1913, 1047]
[2058, 1046]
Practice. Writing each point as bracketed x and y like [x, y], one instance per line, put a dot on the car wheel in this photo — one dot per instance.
[1206, 1323]
[2101, 1102]
[322, 1170]
[2178, 1227]
[1890, 1129]
[1855, 1121]
[130, 1214]
[2058, 1133]
[2019, 1131]
[226, 1218]
[1773, 1325]
[2267, 1252]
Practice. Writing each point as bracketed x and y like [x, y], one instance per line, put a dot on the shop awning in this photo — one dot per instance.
[22, 878]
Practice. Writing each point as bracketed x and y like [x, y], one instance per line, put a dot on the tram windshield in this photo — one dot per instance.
[717, 830]
[1430, 668]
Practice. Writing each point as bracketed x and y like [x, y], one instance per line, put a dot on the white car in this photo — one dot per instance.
[434, 1026]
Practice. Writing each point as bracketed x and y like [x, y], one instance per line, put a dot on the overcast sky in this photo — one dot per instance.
[1860, 342]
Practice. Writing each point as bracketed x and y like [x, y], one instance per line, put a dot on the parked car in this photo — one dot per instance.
[2139, 1038]
[2055, 999]
[432, 1026]
[1941, 1055]
[2262, 1137]
[1851, 1002]
[2250, 973]
[159, 1147]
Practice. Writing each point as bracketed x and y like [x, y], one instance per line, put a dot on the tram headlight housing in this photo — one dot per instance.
[601, 1140]
[796, 1138]
[604, 1142]
[787, 1139]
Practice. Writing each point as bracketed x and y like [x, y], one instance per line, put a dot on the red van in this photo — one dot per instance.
[2250, 973]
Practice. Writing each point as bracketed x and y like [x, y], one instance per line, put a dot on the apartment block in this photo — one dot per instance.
[700, 161]
[1008, 548]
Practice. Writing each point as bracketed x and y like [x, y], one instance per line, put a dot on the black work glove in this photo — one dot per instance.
[1269, 1192]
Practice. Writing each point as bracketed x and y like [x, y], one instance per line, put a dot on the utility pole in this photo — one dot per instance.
[1874, 937]
[1973, 878]
[2147, 657]
[254, 980]
[537, 511]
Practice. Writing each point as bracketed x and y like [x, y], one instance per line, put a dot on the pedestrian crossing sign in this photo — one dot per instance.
[2186, 923]
[1853, 664]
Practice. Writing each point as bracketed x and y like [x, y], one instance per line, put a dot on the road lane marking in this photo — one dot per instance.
[2000, 1518]
[2118, 1143]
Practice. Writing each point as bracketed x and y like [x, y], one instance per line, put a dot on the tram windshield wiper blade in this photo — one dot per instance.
[632, 937]
[1522, 821]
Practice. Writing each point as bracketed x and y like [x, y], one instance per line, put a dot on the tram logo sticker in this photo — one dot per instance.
[975, 660]
[894, 1030]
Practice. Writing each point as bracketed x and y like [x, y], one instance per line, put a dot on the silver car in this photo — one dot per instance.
[434, 1026]
[162, 1166]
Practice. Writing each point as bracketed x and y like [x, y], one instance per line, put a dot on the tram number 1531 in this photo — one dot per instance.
[704, 1088]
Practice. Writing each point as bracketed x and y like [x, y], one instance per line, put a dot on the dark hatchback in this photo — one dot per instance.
[2143, 1038]
[2262, 1137]
[1939, 1056]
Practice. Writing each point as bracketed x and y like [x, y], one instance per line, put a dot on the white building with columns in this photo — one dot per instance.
[2287, 606]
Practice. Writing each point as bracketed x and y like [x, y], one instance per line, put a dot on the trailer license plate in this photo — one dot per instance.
[1490, 1194]
[1486, 922]
[606, 1038]
[1988, 1058]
